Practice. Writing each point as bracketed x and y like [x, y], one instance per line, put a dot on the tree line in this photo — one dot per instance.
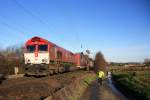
[10, 57]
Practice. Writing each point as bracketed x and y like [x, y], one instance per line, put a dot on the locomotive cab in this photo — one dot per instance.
[36, 52]
[36, 56]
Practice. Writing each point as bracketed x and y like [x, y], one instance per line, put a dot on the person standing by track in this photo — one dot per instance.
[101, 77]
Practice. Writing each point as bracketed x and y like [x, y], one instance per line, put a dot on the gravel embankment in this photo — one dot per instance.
[27, 88]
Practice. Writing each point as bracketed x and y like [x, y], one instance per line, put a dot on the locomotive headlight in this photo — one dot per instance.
[28, 60]
[44, 60]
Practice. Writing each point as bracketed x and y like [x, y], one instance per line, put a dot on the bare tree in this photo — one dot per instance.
[147, 61]
[11, 57]
[100, 63]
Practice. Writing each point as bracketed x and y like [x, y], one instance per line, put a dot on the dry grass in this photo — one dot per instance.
[75, 89]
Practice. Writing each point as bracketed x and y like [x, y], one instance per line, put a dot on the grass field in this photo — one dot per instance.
[134, 83]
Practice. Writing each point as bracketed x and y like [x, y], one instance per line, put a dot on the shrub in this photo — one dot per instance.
[130, 83]
[100, 63]
[11, 57]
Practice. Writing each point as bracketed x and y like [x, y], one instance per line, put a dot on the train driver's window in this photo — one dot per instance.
[43, 48]
[30, 48]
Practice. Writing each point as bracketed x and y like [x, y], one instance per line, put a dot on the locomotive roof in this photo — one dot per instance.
[36, 38]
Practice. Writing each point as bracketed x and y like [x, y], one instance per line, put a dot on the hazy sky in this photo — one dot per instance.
[120, 29]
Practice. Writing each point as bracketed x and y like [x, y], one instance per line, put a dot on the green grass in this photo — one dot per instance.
[89, 79]
[137, 83]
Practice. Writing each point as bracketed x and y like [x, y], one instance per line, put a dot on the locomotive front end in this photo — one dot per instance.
[36, 56]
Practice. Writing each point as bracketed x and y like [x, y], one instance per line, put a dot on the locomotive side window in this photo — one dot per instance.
[66, 56]
[59, 55]
[30, 48]
[42, 47]
[52, 49]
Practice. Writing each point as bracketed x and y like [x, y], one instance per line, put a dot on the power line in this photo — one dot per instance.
[13, 28]
[40, 20]
[30, 13]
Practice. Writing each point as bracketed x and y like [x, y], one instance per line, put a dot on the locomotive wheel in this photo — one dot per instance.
[51, 72]
[61, 70]
[56, 71]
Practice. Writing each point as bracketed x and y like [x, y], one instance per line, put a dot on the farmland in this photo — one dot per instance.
[134, 84]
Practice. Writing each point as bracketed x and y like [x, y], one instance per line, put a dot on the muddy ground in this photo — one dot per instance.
[105, 92]
[27, 88]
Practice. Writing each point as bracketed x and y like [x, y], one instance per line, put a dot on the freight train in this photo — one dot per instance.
[43, 57]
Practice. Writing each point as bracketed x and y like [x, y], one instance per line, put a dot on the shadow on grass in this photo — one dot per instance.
[86, 82]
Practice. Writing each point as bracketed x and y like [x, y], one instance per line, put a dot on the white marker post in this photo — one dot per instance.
[16, 70]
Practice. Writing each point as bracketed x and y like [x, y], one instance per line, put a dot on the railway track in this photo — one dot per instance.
[14, 76]
[35, 88]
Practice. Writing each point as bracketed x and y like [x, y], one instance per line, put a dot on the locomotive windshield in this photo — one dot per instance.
[42, 48]
[30, 48]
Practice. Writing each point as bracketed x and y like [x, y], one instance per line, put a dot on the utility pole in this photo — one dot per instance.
[88, 61]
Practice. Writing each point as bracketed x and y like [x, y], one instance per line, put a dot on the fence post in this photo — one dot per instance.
[16, 70]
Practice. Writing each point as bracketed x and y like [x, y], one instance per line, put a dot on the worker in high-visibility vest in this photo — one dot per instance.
[101, 77]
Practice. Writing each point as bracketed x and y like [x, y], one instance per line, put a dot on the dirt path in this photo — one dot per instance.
[105, 92]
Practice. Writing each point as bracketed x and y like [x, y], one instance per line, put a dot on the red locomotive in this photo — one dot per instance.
[44, 57]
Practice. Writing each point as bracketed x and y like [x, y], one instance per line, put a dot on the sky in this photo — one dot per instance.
[120, 29]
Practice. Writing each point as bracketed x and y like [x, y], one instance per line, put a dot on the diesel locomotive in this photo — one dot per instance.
[43, 57]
